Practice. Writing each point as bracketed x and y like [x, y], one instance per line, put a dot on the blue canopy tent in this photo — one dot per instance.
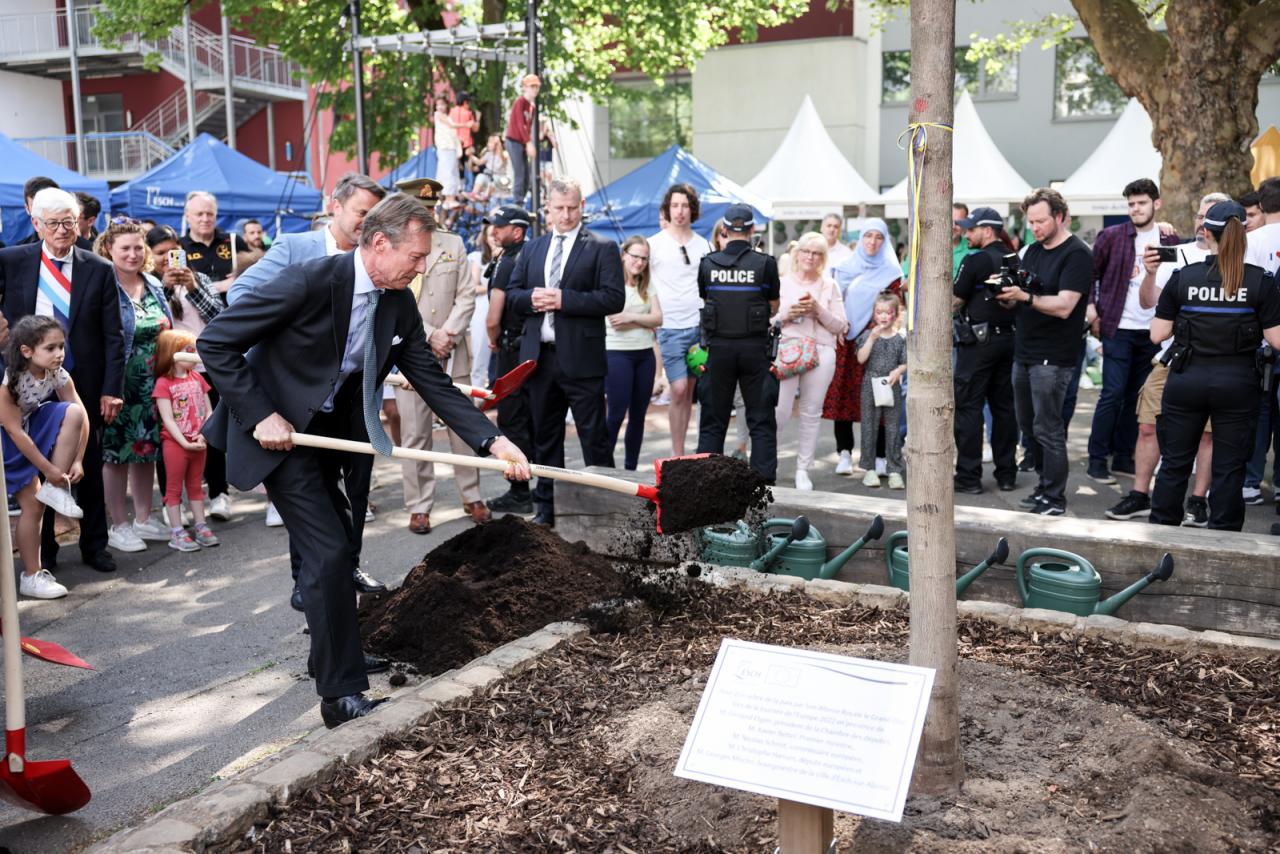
[243, 187]
[19, 163]
[630, 204]
[420, 165]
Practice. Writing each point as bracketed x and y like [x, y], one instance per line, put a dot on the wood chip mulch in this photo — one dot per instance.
[524, 769]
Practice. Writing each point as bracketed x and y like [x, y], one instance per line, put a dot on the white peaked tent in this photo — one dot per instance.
[979, 171]
[1125, 154]
[808, 177]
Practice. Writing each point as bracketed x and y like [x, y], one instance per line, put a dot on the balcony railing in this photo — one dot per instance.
[110, 156]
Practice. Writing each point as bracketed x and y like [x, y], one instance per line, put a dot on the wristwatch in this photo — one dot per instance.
[486, 445]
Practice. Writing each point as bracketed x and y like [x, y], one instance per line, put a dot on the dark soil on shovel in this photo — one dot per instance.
[698, 491]
[489, 585]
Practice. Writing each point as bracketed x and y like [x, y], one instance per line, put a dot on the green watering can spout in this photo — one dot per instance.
[799, 530]
[1162, 572]
[997, 557]
[831, 567]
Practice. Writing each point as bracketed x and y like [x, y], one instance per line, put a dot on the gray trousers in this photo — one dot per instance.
[1038, 393]
[871, 415]
[519, 170]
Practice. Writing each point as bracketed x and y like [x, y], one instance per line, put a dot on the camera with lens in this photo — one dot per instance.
[1013, 276]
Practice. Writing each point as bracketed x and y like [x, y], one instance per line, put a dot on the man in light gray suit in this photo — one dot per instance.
[353, 197]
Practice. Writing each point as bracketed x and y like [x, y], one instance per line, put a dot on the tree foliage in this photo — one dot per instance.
[584, 43]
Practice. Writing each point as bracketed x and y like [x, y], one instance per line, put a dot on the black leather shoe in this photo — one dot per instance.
[295, 599]
[969, 488]
[510, 502]
[366, 583]
[342, 709]
[101, 561]
[1007, 485]
[372, 664]
[1027, 464]
[546, 518]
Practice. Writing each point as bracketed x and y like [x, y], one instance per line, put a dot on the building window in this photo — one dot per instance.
[1082, 87]
[972, 76]
[646, 118]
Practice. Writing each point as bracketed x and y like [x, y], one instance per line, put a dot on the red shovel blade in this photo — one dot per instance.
[50, 786]
[52, 652]
[509, 382]
[657, 484]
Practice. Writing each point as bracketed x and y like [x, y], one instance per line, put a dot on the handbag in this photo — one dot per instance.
[882, 392]
[795, 356]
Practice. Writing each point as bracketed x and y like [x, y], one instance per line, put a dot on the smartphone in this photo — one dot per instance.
[177, 258]
[1167, 254]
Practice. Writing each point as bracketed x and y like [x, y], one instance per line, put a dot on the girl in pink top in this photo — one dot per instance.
[809, 306]
[182, 400]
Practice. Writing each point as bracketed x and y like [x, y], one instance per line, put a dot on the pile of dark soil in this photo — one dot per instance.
[698, 491]
[489, 585]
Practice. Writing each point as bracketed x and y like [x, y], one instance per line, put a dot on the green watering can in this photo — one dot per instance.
[1068, 582]
[895, 563]
[801, 550]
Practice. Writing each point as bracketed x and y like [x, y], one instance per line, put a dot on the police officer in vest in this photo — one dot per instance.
[739, 288]
[1217, 311]
[984, 357]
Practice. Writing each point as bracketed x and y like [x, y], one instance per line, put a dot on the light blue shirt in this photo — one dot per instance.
[353, 355]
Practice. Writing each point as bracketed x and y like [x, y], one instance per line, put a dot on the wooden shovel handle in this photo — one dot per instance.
[582, 478]
[399, 381]
[14, 709]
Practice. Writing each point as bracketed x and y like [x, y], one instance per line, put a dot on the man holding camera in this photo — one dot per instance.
[1050, 294]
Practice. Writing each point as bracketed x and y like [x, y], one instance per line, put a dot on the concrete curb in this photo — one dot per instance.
[219, 817]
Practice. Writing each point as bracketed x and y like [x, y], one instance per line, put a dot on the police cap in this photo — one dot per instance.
[425, 190]
[982, 216]
[508, 215]
[1215, 219]
[739, 218]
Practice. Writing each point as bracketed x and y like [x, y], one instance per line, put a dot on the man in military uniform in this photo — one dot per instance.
[446, 300]
[208, 248]
[739, 287]
[509, 225]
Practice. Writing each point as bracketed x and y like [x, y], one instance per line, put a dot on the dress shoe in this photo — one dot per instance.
[366, 583]
[339, 710]
[546, 518]
[102, 561]
[372, 664]
[968, 488]
[1007, 485]
[295, 599]
[478, 512]
[512, 502]
[419, 523]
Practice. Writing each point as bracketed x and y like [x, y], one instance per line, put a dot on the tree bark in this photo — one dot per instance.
[1199, 84]
[930, 406]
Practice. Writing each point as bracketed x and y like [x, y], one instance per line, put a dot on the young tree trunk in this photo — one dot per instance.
[931, 405]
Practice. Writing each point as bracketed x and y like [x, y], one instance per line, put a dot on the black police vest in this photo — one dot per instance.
[981, 307]
[733, 281]
[1210, 322]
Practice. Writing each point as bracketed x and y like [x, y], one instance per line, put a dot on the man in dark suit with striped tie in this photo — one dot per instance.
[565, 283]
[55, 278]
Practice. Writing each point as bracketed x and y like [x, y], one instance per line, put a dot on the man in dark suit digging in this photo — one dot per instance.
[321, 338]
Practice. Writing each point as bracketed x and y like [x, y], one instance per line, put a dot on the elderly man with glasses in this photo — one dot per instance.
[57, 279]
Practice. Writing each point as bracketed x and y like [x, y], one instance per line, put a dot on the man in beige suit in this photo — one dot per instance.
[446, 300]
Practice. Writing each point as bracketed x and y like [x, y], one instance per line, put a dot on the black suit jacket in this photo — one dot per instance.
[591, 289]
[294, 330]
[95, 337]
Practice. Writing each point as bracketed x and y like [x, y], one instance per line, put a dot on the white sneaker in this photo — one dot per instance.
[802, 481]
[845, 466]
[59, 499]
[896, 481]
[368, 513]
[871, 480]
[882, 465]
[122, 538]
[220, 508]
[987, 456]
[273, 516]
[41, 585]
[152, 530]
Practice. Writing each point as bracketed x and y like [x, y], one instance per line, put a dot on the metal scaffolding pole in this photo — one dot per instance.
[228, 63]
[77, 108]
[362, 156]
[191, 71]
[271, 134]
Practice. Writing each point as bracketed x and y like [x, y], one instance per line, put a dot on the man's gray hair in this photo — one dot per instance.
[566, 186]
[392, 217]
[833, 215]
[1214, 198]
[201, 194]
[349, 183]
[52, 200]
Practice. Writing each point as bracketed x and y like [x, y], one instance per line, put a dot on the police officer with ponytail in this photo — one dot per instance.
[1218, 311]
[739, 288]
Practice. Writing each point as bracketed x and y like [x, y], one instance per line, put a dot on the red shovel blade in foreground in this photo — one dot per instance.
[509, 382]
[651, 492]
[51, 786]
[51, 652]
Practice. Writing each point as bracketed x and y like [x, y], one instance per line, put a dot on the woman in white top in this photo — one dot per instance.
[809, 307]
[481, 268]
[448, 150]
[628, 341]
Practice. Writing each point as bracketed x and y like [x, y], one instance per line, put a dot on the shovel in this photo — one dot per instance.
[51, 652]
[51, 786]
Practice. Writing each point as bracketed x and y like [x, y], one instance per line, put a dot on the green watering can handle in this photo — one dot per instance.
[889, 545]
[1069, 557]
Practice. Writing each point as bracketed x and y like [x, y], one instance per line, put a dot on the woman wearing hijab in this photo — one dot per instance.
[871, 269]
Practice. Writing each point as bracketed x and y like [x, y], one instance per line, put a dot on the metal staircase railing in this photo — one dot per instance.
[168, 121]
